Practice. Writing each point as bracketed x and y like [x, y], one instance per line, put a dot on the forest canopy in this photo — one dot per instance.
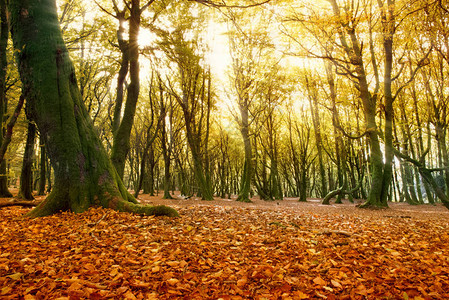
[323, 99]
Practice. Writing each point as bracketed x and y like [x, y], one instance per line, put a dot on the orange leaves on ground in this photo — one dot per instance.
[218, 252]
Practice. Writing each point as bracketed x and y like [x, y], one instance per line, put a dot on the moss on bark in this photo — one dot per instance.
[84, 174]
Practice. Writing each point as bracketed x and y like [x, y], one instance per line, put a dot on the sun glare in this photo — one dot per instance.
[146, 37]
[218, 58]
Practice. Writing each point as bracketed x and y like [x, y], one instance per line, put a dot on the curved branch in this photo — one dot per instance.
[10, 126]
[427, 175]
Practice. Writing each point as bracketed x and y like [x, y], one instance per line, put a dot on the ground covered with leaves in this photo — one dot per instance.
[220, 249]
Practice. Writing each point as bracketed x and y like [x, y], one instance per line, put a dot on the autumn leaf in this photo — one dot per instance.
[172, 281]
[335, 283]
[15, 276]
[318, 280]
[247, 257]
[242, 282]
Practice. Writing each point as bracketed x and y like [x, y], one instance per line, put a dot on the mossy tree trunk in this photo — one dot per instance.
[388, 24]
[275, 180]
[121, 145]
[148, 184]
[150, 136]
[26, 175]
[166, 152]
[195, 140]
[123, 71]
[351, 44]
[247, 175]
[84, 174]
[313, 100]
[4, 30]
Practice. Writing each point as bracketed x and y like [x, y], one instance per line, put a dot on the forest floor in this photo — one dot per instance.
[224, 249]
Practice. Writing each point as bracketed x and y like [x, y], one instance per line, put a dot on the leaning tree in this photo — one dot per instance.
[84, 175]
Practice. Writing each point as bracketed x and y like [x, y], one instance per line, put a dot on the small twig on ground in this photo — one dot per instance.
[93, 235]
[96, 223]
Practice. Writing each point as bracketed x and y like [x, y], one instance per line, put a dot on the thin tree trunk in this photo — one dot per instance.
[247, 176]
[123, 71]
[313, 99]
[42, 169]
[26, 176]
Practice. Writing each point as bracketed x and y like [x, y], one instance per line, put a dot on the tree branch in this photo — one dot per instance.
[222, 3]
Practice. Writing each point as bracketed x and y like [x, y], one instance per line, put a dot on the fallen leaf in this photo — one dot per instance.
[318, 280]
[15, 276]
[172, 281]
[335, 283]
[242, 281]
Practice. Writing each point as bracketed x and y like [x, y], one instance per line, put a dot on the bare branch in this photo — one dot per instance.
[423, 62]
[222, 3]
[106, 11]
[146, 5]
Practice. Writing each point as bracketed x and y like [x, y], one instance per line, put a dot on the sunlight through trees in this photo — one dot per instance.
[330, 99]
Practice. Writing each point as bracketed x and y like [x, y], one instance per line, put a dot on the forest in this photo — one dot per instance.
[282, 99]
[302, 144]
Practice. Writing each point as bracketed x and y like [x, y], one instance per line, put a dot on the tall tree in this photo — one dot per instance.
[84, 175]
[130, 52]
[4, 34]
[252, 58]
[191, 87]
[312, 92]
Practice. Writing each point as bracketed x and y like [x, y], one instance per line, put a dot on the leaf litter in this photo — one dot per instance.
[226, 251]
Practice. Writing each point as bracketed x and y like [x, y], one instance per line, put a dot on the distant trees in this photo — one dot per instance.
[316, 101]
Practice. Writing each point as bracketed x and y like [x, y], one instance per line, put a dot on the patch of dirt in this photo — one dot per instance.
[312, 206]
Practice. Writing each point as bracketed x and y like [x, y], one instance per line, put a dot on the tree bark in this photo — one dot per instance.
[4, 192]
[166, 152]
[123, 71]
[369, 101]
[42, 169]
[84, 174]
[245, 183]
[26, 176]
[313, 100]
[121, 145]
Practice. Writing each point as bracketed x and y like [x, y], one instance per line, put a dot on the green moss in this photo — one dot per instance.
[161, 210]
[84, 174]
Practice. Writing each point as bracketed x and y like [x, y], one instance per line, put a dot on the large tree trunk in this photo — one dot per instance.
[84, 175]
